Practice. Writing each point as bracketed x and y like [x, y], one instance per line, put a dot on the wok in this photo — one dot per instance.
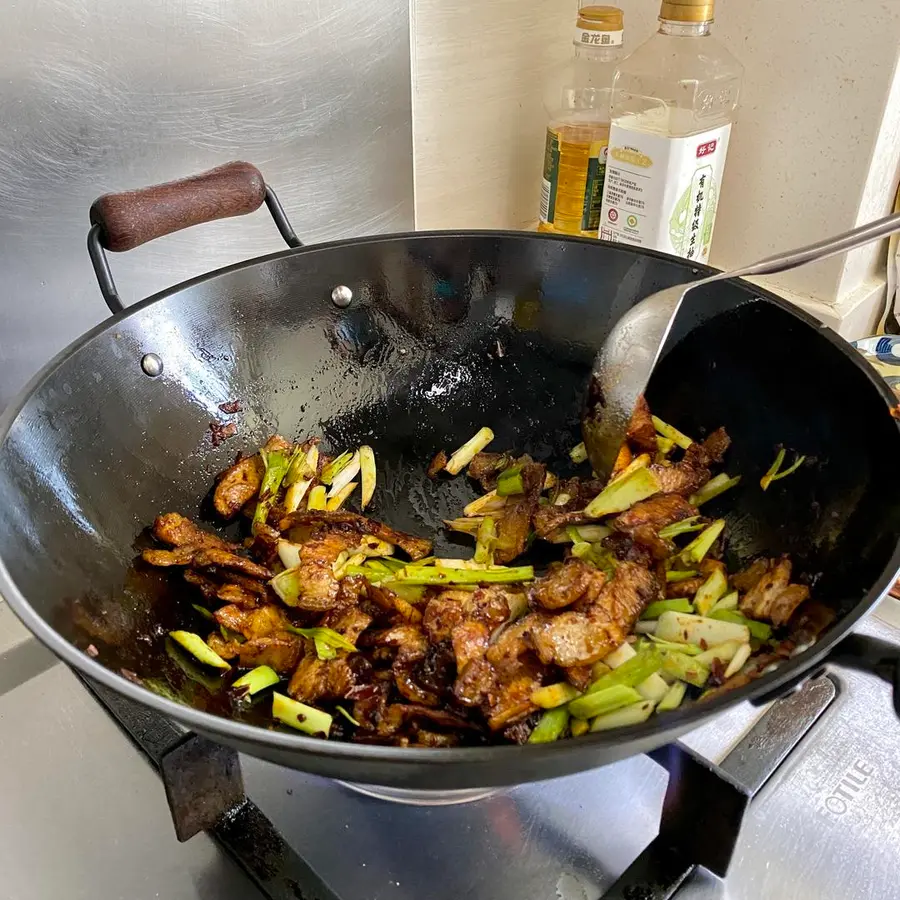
[444, 332]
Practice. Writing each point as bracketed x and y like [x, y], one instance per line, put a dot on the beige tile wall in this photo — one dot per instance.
[478, 120]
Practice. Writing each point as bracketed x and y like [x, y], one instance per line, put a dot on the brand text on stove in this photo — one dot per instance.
[848, 789]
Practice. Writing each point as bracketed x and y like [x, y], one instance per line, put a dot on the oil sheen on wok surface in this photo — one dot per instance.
[101, 449]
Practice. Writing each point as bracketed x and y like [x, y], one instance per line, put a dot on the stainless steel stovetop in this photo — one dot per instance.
[83, 814]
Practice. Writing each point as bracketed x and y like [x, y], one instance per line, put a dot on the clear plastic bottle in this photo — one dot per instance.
[577, 103]
[673, 102]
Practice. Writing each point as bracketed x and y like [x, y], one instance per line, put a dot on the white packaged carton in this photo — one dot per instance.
[662, 192]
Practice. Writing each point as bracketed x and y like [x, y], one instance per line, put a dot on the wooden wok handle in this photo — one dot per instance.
[131, 218]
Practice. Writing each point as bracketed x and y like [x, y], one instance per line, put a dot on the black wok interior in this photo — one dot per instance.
[446, 333]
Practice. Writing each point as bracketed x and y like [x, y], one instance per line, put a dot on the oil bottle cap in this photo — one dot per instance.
[600, 26]
[688, 10]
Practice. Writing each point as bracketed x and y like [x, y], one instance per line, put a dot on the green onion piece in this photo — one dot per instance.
[463, 456]
[256, 680]
[489, 502]
[687, 628]
[485, 542]
[629, 715]
[395, 565]
[327, 641]
[276, 463]
[672, 433]
[654, 688]
[304, 466]
[702, 544]
[510, 485]
[347, 473]
[603, 701]
[374, 576]
[613, 660]
[337, 500]
[199, 649]
[592, 534]
[311, 463]
[664, 446]
[510, 472]
[368, 475]
[738, 661]
[329, 472]
[711, 591]
[578, 727]
[317, 498]
[295, 494]
[759, 630]
[775, 475]
[468, 525]
[630, 673]
[791, 469]
[676, 575]
[411, 593]
[229, 635]
[498, 575]
[551, 726]
[685, 526]
[300, 716]
[418, 563]
[688, 649]
[723, 652]
[295, 467]
[685, 668]
[204, 612]
[729, 601]
[553, 695]
[582, 550]
[713, 488]
[449, 562]
[620, 495]
[766, 480]
[376, 565]
[289, 554]
[578, 454]
[287, 586]
[211, 679]
[346, 715]
[658, 607]
[673, 697]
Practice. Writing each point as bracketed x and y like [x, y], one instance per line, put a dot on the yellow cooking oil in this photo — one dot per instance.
[577, 103]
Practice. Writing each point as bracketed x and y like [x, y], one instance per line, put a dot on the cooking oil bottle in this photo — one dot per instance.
[577, 104]
[673, 102]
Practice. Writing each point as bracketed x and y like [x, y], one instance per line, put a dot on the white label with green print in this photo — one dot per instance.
[661, 192]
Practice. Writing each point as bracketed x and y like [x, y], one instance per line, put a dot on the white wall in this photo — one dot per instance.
[815, 150]
[478, 122]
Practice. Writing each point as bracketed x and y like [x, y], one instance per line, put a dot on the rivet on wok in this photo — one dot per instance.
[151, 364]
[341, 296]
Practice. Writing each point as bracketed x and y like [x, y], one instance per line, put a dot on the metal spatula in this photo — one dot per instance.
[626, 361]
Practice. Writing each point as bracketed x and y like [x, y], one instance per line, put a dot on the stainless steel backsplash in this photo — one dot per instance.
[100, 95]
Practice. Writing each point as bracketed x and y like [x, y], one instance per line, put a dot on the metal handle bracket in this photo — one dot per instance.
[104, 274]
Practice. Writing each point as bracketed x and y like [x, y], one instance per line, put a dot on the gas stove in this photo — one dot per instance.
[797, 800]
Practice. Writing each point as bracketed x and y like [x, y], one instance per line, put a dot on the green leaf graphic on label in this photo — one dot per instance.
[710, 218]
[679, 220]
[692, 219]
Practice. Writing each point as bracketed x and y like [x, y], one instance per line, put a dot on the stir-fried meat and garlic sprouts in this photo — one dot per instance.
[352, 629]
